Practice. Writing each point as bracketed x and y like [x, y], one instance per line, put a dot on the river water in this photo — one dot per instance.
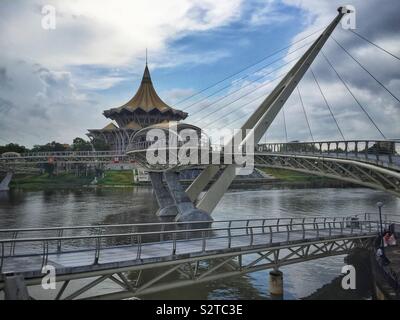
[130, 205]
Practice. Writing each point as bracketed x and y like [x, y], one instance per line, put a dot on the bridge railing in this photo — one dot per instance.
[381, 151]
[160, 226]
[57, 154]
[149, 145]
[388, 218]
[259, 233]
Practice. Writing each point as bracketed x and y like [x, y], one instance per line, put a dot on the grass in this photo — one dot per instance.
[121, 178]
[289, 175]
[69, 180]
[45, 181]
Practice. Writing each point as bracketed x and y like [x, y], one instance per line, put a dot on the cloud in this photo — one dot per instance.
[50, 79]
[352, 120]
[5, 106]
[176, 95]
[5, 81]
[383, 109]
[51, 82]
[268, 13]
[114, 33]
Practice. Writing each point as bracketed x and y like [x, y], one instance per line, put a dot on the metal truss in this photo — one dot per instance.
[353, 171]
[133, 282]
[96, 157]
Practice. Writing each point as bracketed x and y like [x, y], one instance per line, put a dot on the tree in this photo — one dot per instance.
[13, 147]
[100, 145]
[50, 147]
[79, 144]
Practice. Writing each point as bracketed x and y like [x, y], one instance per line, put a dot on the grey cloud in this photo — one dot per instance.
[377, 21]
[5, 106]
[5, 80]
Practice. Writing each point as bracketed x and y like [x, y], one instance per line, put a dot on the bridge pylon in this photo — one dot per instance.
[259, 122]
[4, 184]
[173, 200]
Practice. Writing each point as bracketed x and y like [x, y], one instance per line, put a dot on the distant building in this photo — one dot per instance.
[145, 109]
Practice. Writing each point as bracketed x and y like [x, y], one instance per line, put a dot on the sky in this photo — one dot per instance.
[55, 83]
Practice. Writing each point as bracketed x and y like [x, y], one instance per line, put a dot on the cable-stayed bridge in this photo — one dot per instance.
[357, 161]
[369, 162]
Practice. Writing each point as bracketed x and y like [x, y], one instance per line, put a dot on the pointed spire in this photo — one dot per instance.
[146, 99]
[146, 75]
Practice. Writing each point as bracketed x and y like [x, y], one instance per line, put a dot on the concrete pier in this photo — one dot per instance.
[186, 209]
[4, 184]
[15, 287]
[276, 284]
[172, 198]
[163, 196]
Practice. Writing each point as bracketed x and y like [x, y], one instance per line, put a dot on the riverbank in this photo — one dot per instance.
[124, 178]
[293, 176]
[46, 181]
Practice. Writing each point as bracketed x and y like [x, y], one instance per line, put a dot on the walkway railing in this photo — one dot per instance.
[150, 145]
[62, 154]
[72, 154]
[387, 217]
[99, 238]
[381, 151]
[160, 226]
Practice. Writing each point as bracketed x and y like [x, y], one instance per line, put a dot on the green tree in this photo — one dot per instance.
[79, 144]
[100, 145]
[49, 147]
[13, 147]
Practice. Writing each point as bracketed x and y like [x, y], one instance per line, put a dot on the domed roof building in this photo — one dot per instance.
[145, 109]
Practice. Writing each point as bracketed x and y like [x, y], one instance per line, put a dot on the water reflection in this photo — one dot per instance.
[132, 205]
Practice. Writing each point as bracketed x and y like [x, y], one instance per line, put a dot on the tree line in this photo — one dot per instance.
[78, 144]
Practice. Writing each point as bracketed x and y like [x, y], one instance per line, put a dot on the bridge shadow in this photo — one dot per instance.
[360, 259]
[229, 288]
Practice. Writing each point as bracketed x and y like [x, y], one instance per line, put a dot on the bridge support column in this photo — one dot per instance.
[186, 209]
[15, 287]
[166, 203]
[276, 284]
[4, 184]
[173, 200]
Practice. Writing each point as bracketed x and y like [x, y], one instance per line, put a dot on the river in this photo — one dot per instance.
[128, 205]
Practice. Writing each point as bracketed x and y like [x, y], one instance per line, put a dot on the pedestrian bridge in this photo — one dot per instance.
[371, 163]
[374, 164]
[196, 251]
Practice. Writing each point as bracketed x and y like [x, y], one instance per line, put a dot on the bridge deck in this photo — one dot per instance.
[82, 260]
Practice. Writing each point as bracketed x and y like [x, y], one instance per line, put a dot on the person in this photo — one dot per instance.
[386, 238]
[379, 253]
[392, 240]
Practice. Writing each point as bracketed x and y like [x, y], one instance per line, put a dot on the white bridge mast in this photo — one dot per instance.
[259, 122]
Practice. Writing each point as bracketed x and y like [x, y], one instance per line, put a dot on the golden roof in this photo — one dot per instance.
[110, 126]
[133, 125]
[146, 99]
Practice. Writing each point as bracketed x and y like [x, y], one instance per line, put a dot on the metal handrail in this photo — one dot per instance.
[286, 228]
[205, 232]
[373, 150]
[160, 224]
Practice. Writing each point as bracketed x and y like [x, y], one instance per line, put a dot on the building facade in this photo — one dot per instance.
[145, 109]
